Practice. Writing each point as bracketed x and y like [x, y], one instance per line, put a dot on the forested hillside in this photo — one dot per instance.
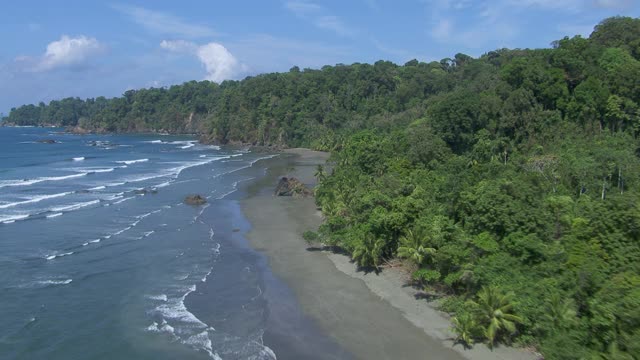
[511, 181]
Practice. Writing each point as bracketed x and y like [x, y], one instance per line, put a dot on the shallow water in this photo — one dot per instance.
[100, 259]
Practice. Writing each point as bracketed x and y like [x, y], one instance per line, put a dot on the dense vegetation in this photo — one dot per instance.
[511, 182]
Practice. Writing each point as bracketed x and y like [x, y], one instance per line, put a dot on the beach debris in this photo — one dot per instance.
[195, 200]
[290, 186]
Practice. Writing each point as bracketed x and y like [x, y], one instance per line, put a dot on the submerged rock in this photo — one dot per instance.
[145, 191]
[195, 200]
[47, 141]
[292, 187]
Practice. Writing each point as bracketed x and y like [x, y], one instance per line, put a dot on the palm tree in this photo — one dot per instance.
[412, 247]
[464, 325]
[320, 174]
[368, 251]
[560, 313]
[494, 310]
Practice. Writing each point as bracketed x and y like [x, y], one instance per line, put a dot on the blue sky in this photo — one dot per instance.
[86, 48]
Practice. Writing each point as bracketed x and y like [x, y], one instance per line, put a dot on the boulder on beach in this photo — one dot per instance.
[195, 200]
[290, 186]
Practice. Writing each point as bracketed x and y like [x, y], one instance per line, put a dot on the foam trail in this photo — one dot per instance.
[12, 218]
[27, 182]
[34, 199]
[91, 242]
[74, 206]
[96, 171]
[55, 282]
[81, 158]
[51, 257]
[53, 215]
[123, 200]
[129, 162]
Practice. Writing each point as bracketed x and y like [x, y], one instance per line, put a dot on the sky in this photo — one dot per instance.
[56, 49]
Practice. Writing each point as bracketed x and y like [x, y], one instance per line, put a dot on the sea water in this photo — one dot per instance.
[99, 253]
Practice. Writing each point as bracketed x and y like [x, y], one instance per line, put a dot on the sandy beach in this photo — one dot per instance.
[370, 316]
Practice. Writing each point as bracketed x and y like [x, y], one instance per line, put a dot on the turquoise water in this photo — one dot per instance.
[100, 258]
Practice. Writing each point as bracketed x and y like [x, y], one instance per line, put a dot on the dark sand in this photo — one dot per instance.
[369, 316]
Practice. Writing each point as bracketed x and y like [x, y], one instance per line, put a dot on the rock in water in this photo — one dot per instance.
[47, 141]
[292, 187]
[195, 200]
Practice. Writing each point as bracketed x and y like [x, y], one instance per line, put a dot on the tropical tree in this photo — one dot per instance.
[560, 312]
[465, 326]
[494, 311]
[368, 251]
[413, 247]
[320, 173]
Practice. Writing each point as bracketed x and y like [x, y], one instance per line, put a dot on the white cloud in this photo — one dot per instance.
[219, 63]
[317, 15]
[66, 52]
[162, 23]
[179, 46]
[333, 23]
[302, 8]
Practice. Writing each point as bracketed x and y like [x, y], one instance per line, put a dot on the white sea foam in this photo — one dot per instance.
[55, 282]
[202, 341]
[13, 218]
[27, 182]
[148, 233]
[144, 215]
[54, 256]
[161, 297]
[123, 200]
[148, 177]
[81, 158]
[34, 199]
[98, 188]
[98, 170]
[53, 215]
[164, 184]
[129, 162]
[76, 206]
[162, 327]
[121, 231]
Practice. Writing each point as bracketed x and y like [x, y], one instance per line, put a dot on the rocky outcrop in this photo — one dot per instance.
[290, 186]
[195, 200]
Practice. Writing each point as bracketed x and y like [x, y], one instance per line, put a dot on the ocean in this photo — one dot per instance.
[101, 259]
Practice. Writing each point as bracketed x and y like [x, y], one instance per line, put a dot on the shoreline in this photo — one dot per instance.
[369, 315]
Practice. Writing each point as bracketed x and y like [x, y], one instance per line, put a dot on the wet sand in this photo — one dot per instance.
[370, 316]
